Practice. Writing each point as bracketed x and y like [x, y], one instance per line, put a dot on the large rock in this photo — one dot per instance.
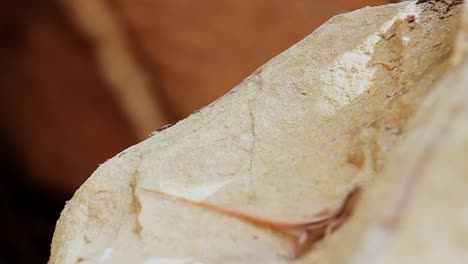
[291, 142]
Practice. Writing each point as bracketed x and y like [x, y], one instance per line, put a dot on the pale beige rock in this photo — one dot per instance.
[292, 140]
[416, 211]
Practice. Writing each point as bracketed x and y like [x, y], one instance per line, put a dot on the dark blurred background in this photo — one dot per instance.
[81, 80]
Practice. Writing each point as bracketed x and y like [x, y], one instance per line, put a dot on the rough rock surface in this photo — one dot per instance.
[291, 141]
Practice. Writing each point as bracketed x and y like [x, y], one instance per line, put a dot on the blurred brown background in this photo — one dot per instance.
[81, 80]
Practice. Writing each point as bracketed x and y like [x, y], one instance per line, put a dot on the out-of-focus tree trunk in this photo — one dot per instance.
[56, 109]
